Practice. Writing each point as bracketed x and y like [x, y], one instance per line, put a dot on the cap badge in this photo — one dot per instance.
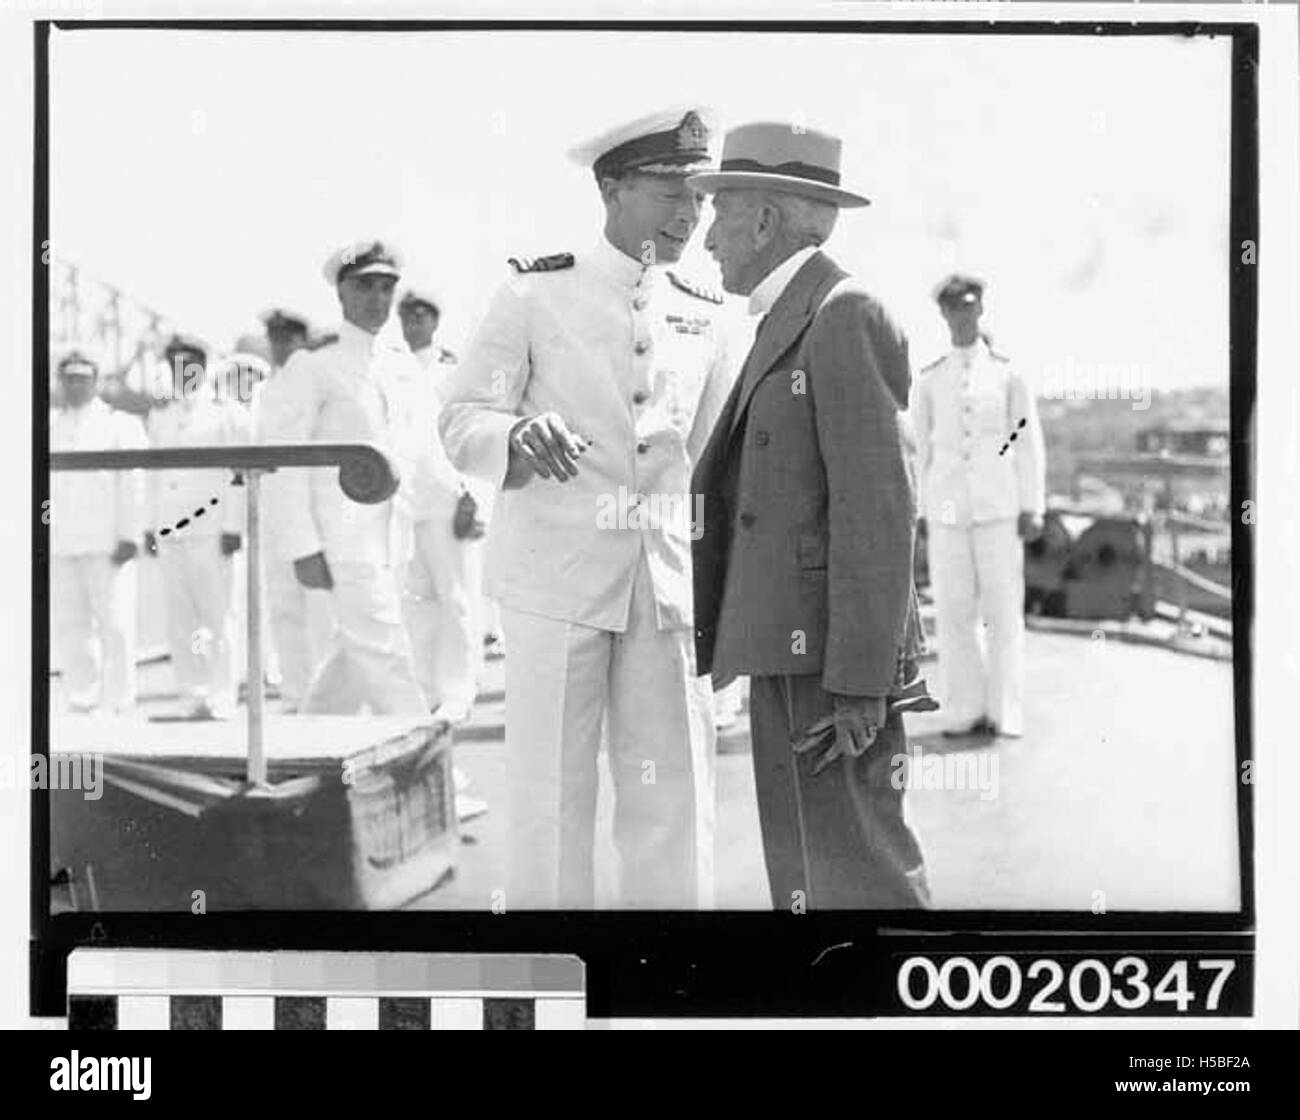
[691, 134]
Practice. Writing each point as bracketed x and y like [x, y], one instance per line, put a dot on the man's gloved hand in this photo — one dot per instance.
[150, 542]
[850, 729]
[313, 571]
[125, 550]
[465, 525]
[231, 543]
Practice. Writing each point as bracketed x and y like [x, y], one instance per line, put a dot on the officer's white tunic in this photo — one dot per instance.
[197, 578]
[974, 482]
[594, 574]
[337, 394]
[92, 601]
[442, 580]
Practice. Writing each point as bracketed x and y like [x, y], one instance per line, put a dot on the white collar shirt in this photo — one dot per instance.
[769, 289]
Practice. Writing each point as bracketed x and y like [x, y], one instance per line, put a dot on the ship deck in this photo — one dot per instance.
[1121, 795]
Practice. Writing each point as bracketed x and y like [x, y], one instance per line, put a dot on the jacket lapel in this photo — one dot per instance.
[789, 317]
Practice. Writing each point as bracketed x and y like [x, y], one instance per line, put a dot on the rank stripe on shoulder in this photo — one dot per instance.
[712, 295]
[553, 263]
[934, 364]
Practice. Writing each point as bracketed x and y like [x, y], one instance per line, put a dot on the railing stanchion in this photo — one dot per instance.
[256, 695]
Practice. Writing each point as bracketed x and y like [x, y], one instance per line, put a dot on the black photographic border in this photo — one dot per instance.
[721, 963]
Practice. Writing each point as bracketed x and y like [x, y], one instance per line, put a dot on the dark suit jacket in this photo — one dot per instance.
[803, 562]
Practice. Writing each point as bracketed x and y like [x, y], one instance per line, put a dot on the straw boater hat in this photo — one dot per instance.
[781, 157]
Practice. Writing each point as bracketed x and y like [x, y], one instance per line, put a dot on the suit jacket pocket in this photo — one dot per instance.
[812, 551]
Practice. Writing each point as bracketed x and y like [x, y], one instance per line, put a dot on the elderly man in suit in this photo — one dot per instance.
[803, 570]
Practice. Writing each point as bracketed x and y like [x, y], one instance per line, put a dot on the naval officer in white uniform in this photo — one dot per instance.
[196, 522]
[342, 393]
[95, 524]
[982, 479]
[301, 618]
[442, 585]
[590, 387]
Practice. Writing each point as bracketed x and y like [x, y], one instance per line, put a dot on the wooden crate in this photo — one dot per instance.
[358, 813]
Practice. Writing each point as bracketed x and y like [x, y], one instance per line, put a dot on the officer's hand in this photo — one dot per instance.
[312, 571]
[545, 444]
[150, 542]
[124, 551]
[850, 730]
[1029, 526]
[920, 527]
[230, 543]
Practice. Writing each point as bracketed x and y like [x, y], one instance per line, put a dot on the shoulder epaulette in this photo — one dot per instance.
[934, 364]
[712, 295]
[998, 355]
[445, 355]
[553, 263]
[322, 342]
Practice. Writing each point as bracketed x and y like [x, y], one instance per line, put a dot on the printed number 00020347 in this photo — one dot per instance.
[1089, 986]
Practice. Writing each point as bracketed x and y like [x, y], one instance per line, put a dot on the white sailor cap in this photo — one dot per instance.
[363, 258]
[77, 363]
[957, 288]
[280, 319]
[420, 294]
[671, 142]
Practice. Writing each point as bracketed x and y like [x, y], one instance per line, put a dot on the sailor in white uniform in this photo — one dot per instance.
[341, 393]
[981, 479]
[590, 387]
[443, 582]
[195, 527]
[95, 520]
[301, 618]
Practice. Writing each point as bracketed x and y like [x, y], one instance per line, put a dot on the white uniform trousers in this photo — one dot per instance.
[442, 604]
[563, 681]
[978, 575]
[368, 662]
[94, 616]
[302, 620]
[197, 591]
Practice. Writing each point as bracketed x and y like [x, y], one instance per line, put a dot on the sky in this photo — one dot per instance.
[209, 174]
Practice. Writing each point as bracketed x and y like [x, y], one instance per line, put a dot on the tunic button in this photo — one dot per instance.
[642, 447]
[761, 439]
[641, 346]
[639, 303]
[747, 519]
[638, 397]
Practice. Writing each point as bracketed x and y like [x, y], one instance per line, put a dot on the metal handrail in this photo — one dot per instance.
[366, 475]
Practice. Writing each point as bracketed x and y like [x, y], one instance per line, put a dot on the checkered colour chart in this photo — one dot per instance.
[166, 989]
